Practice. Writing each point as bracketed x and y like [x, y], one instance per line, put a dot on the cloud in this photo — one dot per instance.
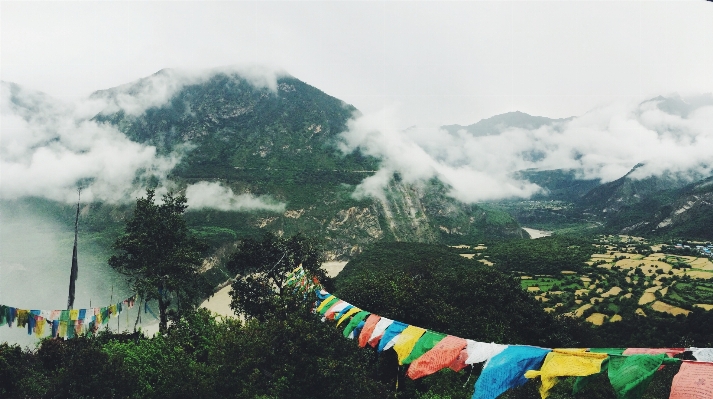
[156, 90]
[667, 135]
[49, 148]
[213, 195]
[422, 154]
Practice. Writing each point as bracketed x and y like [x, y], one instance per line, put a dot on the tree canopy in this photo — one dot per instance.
[429, 286]
[160, 257]
[259, 290]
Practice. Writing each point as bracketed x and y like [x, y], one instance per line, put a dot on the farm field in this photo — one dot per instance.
[626, 276]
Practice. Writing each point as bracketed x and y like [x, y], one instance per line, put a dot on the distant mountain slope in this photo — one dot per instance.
[283, 143]
[559, 184]
[666, 205]
[498, 123]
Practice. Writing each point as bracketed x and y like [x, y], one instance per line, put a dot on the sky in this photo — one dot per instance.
[409, 67]
[428, 63]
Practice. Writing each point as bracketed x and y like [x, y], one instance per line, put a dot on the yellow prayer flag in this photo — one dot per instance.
[407, 340]
[351, 312]
[62, 329]
[74, 314]
[566, 363]
[40, 327]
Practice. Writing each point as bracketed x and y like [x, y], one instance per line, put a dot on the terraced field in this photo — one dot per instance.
[629, 276]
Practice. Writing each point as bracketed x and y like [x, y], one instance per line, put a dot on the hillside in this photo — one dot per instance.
[667, 205]
[282, 142]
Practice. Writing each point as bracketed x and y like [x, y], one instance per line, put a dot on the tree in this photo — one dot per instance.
[160, 257]
[260, 290]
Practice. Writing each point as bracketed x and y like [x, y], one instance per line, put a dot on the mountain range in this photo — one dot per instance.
[282, 141]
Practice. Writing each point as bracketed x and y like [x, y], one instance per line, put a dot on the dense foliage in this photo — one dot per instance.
[197, 358]
[260, 288]
[548, 255]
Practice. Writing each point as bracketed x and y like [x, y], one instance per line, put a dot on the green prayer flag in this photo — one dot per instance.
[328, 305]
[581, 382]
[356, 319]
[424, 344]
[64, 315]
[631, 375]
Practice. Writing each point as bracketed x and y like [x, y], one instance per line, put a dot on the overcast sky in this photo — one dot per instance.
[429, 63]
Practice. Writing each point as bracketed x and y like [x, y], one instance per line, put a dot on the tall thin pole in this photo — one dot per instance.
[75, 266]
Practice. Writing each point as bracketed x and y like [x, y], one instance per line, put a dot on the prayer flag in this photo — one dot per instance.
[369, 326]
[406, 341]
[349, 313]
[379, 331]
[335, 308]
[326, 302]
[506, 370]
[701, 354]
[439, 357]
[427, 341]
[693, 381]
[391, 332]
[354, 322]
[653, 351]
[566, 363]
[479, 352]
[630, 375]
[345, 309]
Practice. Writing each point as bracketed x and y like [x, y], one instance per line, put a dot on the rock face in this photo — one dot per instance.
[282, 141]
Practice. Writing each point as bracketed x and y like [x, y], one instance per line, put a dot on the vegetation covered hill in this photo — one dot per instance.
[432, 287]
[667, 205]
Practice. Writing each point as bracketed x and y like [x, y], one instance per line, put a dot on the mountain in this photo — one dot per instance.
[499, 123]
[665, 205]
[282, 141]
[558, 184]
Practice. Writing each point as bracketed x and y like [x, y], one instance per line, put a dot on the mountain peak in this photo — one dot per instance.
[499, 123]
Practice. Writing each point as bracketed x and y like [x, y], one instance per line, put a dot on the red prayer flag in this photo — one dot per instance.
[441, 356]
[693, 381]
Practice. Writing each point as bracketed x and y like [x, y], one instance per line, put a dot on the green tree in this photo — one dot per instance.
[260, 290]
[160, 257]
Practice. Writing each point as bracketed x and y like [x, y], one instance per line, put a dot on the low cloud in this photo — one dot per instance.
[156, 90]
[49, 148]
[668, 135]
[213, 195]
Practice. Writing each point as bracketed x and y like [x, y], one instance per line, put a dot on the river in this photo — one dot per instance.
[534, 233]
